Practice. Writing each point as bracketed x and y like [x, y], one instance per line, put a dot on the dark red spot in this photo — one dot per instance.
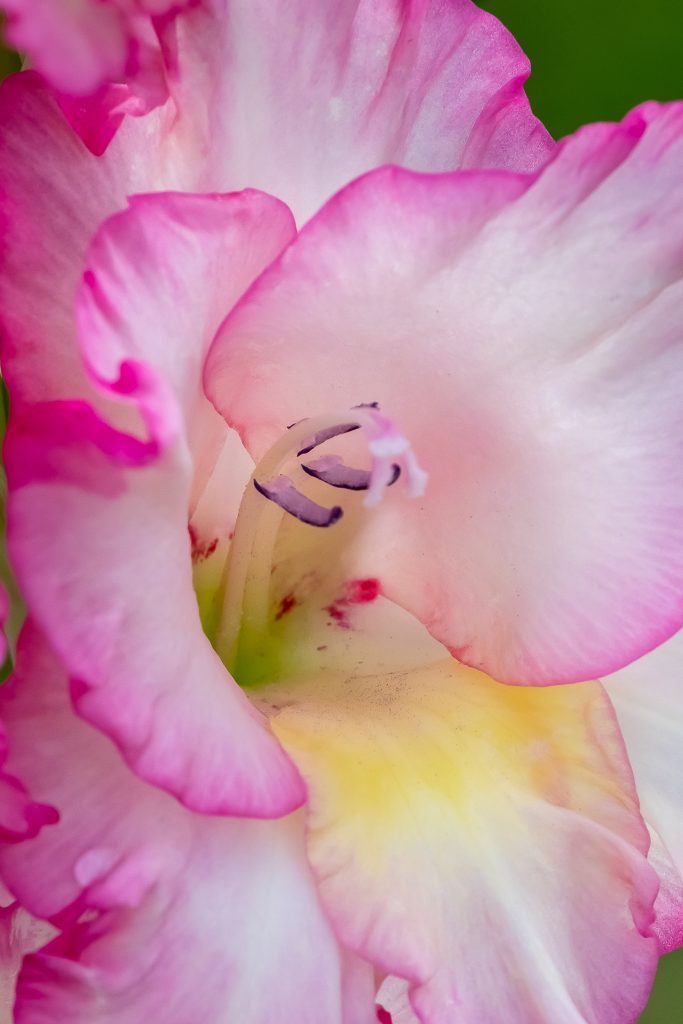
[355, 592]
[362, 591]
[383, 1016]
[286, 604]
[337, 612]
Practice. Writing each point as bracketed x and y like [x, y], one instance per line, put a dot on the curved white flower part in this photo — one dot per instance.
[648, 699]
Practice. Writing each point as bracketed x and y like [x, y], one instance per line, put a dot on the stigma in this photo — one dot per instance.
[391, 457]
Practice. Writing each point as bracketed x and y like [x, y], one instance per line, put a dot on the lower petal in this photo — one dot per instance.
[479, 841]
[648, 699]
[164, 915]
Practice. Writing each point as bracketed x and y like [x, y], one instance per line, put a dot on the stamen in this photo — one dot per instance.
[325, 434]
[331, 470]
[390, 452]
[282, 492]
[387, 443]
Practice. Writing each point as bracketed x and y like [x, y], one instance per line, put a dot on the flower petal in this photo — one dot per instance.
[525, 335]
[104, 59]
[49, 209]
[482, 842]
[298, 114]
[165, 915]
[648, 699]
[78, 45]
[424, 84]
[108, 573]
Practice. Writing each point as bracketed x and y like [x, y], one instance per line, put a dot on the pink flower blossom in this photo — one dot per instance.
[341, 399]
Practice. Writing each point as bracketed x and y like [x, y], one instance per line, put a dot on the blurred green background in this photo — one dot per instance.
[593, 60]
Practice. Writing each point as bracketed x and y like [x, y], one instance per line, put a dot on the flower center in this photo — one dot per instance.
[277, 564]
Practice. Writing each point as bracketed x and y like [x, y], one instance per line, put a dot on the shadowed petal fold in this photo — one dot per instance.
[108, 573]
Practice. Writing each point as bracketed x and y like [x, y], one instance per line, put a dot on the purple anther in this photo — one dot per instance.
[331, 470]
[325, 434]
[282, 492]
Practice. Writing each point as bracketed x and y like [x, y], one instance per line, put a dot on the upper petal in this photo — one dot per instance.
[525, 335]
[427, 84]
[261, 103]
[108, 573]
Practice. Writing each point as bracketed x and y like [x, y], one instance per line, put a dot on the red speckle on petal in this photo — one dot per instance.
[383, 1016]
[338, 614]
[362, 591]
[355, 592]
[286, 604]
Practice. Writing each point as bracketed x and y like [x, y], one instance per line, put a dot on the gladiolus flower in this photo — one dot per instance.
[308, 522]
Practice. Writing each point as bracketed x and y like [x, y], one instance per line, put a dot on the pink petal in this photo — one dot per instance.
[298, 114]
[452, 85]
[165, 915]
[524, 333]
[78, 45]
[668, 924]
[480, 842]
[108, 573]
[648, 699]
[21, 817]
[49, 209]
[104, 58]
[429, 85]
